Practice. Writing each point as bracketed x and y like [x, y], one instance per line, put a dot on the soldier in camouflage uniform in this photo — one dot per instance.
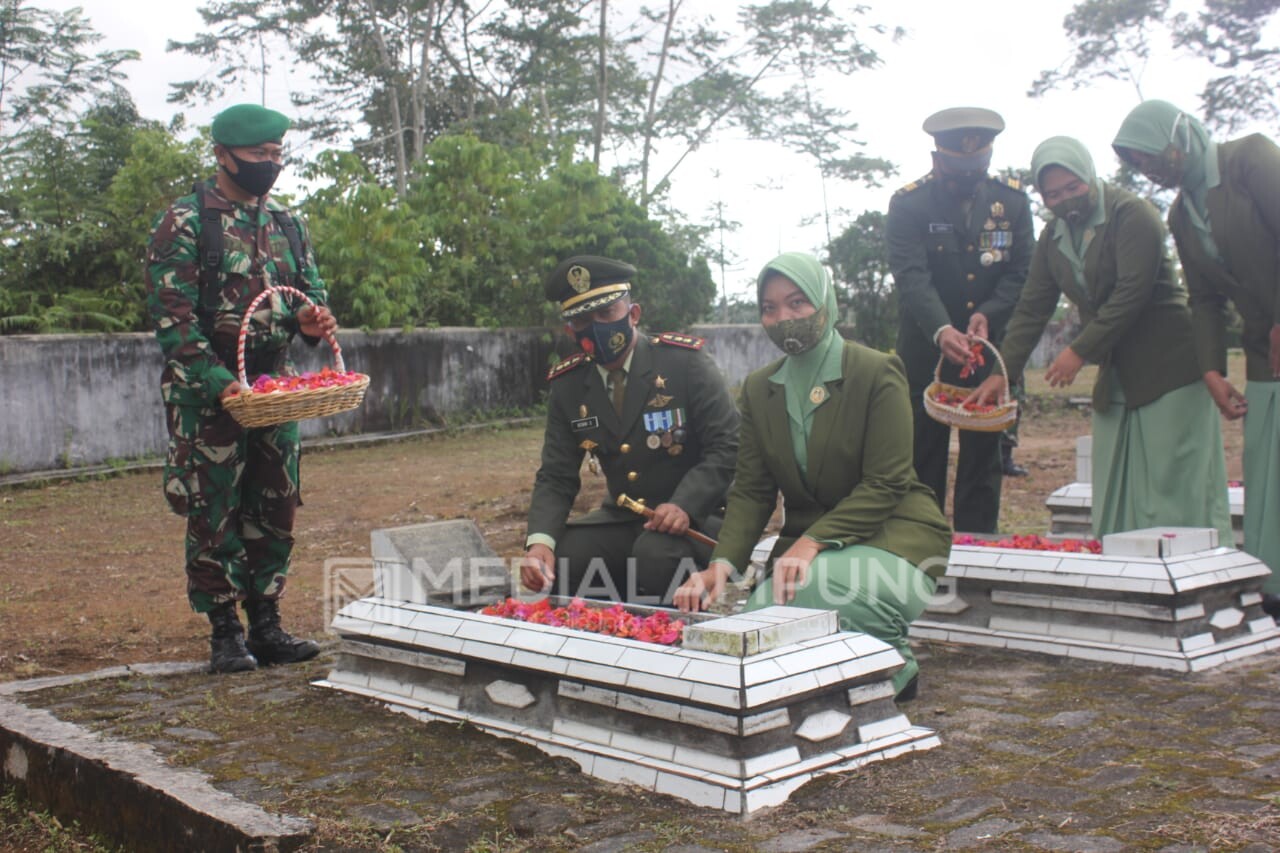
[237, 488]
[650, 413]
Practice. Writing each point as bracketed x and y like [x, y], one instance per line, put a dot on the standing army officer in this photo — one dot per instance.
[959, 246]
[653, 415]
[236, 487]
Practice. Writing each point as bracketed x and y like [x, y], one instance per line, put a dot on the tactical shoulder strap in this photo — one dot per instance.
[289, 225]
[209, 246]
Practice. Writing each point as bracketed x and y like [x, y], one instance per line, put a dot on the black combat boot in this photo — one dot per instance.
[268, 641]
[227, 652]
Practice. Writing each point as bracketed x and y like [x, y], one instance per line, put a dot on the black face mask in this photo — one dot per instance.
[254, 178]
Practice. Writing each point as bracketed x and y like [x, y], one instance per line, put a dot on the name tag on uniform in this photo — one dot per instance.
[584, 423]
[941, 228]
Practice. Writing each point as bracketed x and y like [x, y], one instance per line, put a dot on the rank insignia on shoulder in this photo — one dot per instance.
[560, 368]
[914, 185]
[1011, 183]
[686, 341]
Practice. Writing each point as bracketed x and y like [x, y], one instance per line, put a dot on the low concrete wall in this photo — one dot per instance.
[77, 400]
[72, 400]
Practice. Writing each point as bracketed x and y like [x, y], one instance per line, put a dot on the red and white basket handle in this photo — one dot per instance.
[248, 316]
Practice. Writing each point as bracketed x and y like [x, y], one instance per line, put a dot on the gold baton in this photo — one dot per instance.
[638, 507]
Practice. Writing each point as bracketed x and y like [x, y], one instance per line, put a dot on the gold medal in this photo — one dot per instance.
[653, 442]
[996, 256]
[667, 439]
[817, 394]
[675, 449]
[987, 258]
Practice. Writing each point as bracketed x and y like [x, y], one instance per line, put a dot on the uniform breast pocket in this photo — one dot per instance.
[943, 243]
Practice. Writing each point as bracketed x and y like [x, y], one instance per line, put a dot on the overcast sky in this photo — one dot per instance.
[954, 54]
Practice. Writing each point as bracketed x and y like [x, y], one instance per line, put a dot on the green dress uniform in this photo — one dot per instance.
[1227, 230]
[1244, 218]
[674, 442]
[829, 428]
[1157, 444]
[887, 540]
[950, 260]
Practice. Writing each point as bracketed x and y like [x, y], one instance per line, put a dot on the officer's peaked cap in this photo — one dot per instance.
[964, 130]
[584, 283]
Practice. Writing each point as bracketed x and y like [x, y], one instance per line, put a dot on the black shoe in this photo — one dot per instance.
[268, 641]
[1271, 604]
[227, 652]
[1011, 468]
[909, 691]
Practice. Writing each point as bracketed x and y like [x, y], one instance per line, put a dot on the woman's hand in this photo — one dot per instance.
[1230, 402]
[702, 588]
[988, 393]
[791, 570]
[1064, 368]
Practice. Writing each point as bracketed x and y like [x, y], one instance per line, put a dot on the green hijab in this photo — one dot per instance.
[803, 374]
[1073, 239]
[1153, 126]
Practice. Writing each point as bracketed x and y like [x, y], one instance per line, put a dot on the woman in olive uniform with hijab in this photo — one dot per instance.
[828, 426]
[1157, 441]
[1226, 222]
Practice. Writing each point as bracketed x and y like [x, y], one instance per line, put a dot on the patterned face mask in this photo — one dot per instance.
[608, 342]
[1074, 210]
[800, 334]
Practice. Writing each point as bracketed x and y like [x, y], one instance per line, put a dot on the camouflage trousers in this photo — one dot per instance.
[238, 490]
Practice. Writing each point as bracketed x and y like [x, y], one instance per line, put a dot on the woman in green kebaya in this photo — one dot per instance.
[1226, 223]
[829, 427]
[1157, 441]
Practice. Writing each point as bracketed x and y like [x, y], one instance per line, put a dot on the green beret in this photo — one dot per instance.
[248, 124]
[584, 283]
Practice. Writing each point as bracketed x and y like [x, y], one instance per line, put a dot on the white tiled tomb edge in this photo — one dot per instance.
[736, 731]
[1166, 598]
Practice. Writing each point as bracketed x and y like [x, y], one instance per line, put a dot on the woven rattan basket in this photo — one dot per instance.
[277, 407]
[999, 418]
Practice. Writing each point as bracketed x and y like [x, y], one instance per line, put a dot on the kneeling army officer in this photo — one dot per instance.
[654, 415]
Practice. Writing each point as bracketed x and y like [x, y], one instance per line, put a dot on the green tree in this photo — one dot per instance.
[367, 244]
[47, 77]
[1113, 40]
[74, 216]
[860, 260]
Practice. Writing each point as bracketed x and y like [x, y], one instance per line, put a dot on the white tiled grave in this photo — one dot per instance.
[1071, 507]
[750, 708]
[1167, 598]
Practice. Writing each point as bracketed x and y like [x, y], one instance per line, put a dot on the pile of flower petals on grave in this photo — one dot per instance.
[323, 378]
[1027, 542]
[614, 620]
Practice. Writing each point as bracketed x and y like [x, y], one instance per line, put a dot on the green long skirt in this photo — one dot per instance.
[872, 590]
[1262, 477]
[1160, 465]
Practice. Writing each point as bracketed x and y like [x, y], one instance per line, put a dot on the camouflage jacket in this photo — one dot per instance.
[255, 254]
